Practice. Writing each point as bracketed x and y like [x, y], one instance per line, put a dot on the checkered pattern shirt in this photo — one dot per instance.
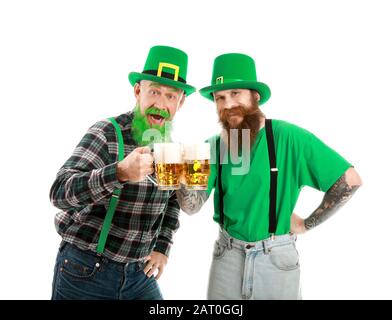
[145, 219]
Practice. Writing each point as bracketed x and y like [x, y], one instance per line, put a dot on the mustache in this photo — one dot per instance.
[156, 111]
[239, 110]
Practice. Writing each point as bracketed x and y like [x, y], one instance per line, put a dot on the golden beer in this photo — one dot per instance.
[197, 165]
[196, 174]
[168, 175]
[168, 165]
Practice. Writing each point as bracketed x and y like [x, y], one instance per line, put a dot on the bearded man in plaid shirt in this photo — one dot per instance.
[141, 231]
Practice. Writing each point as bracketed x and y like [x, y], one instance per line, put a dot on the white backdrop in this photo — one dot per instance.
[64, 66]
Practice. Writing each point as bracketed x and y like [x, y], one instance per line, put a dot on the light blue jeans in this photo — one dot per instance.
[266, 269]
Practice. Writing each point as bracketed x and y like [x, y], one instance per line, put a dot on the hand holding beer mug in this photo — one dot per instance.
[168, 165]
[197, 165]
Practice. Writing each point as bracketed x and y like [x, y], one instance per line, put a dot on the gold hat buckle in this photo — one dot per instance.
[219, 80]
[170, 66]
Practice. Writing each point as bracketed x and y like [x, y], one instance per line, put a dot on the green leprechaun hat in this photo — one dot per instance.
[235, 71]
[166, 65]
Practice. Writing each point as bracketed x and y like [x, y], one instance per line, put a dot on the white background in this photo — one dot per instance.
[64, 66]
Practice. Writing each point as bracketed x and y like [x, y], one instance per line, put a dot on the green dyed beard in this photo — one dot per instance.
[156, 132]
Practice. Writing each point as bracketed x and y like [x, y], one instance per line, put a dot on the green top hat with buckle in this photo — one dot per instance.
[165, 65]
[235, 71]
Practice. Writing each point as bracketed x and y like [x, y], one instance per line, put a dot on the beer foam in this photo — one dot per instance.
[170, 152]
[197, 151]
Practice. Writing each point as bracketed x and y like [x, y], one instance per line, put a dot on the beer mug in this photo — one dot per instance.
[168, 165]
[196, 165]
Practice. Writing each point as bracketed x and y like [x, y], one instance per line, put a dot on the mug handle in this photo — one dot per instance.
[150, 177]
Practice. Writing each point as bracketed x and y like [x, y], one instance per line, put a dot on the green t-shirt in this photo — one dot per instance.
[302, 160]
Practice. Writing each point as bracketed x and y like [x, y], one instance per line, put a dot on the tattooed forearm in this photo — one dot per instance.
[333, 200]
[191, 201]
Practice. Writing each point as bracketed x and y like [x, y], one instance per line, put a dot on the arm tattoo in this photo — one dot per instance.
[191, 201]
[333, 200]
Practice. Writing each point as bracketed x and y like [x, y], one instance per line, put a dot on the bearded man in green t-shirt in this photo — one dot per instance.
[261, 166]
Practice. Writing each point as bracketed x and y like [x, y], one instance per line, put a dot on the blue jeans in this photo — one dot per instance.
[262, 270]
[80, 274]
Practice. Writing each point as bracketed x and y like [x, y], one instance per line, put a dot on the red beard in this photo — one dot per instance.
[241, 117]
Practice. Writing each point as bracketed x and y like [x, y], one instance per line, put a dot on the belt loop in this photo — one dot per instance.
[265, 247]
[62, 245]
[230, 243]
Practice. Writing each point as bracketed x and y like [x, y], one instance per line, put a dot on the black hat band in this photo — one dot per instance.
[163, 75]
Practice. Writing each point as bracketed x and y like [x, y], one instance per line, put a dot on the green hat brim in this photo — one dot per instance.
[135, 77]
[260, 87]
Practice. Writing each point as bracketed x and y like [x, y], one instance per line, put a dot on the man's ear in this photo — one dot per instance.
[136, 90]
[257, 96]
[182, 100]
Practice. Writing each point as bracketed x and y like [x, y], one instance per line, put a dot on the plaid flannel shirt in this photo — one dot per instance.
[145, 219]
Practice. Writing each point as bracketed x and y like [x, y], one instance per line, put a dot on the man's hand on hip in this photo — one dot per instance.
[155, 261]
[297, 224]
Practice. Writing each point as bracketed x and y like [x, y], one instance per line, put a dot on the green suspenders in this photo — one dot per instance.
[116, 193]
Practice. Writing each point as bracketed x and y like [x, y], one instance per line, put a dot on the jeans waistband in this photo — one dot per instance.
[266, 244]
[120, 265]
